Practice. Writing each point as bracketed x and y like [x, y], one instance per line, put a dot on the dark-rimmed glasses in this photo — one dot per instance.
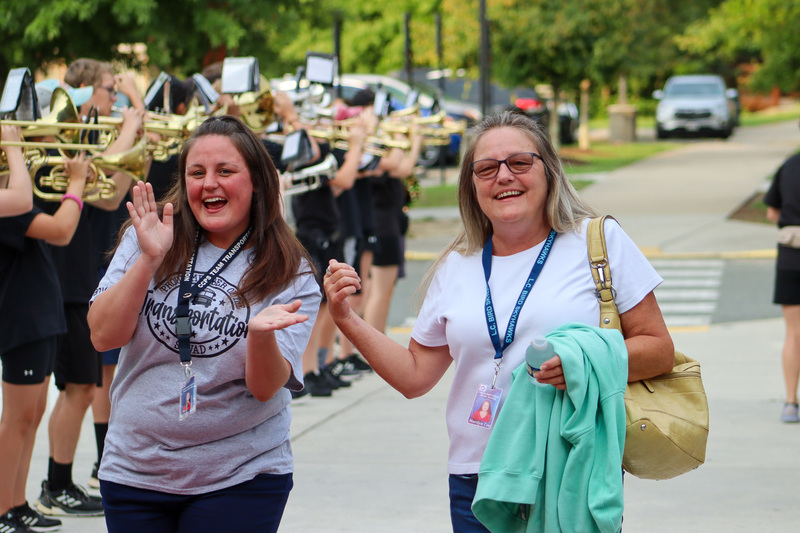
[487, 169]
[112, 91]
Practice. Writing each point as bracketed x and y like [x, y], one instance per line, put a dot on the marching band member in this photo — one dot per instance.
[318, 224]
[78, 370]
[30, 292]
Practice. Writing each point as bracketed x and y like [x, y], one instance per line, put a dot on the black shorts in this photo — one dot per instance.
[389, 251]
[787, 287]
[77, 361]
[30, 363]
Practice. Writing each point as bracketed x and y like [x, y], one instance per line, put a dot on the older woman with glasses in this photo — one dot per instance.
[523, 240]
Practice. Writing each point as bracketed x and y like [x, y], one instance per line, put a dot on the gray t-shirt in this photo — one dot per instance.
[232, 436]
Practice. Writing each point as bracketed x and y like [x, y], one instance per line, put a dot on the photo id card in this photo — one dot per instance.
[484, 408]
[188, 398]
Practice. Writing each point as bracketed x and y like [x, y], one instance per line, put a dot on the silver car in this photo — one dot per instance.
[696, 104]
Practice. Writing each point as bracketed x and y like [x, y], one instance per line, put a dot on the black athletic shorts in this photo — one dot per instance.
[30, 363]
[389, 251]
[77, 361]
[787, 287]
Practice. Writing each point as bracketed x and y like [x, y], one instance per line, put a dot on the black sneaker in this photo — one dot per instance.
[342, 368]
[9, 523]
[34, 519]
[72, 501]
[317, 385]
[334, 381]
[94, 481]
[358, 363]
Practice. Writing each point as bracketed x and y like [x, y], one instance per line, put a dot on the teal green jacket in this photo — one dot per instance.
[554, 460]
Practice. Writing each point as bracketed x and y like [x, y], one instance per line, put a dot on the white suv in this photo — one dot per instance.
[696, 104]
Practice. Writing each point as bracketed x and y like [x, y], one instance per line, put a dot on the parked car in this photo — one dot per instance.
[696, 104]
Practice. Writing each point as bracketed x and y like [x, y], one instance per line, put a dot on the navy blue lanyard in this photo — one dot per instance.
[189, 290]
[491, 319]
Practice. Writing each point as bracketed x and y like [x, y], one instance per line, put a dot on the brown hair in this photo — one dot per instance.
[277, 254]
[86, 72]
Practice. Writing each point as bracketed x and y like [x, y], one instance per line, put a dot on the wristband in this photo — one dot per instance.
[70, 196]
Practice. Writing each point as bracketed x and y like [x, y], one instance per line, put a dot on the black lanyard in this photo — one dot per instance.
[188, 291]
[491, 319]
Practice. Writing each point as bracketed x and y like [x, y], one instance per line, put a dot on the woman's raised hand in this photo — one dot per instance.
[341, 280]
[155, 235]
[276, 317]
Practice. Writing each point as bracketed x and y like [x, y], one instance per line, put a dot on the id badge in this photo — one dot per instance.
[188, 398]
[484, 408]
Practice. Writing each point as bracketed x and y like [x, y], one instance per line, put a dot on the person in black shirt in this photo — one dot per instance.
[783, 208]
[78, 370]
[30, 293]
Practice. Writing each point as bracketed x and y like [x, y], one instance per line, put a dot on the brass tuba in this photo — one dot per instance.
[52, 186]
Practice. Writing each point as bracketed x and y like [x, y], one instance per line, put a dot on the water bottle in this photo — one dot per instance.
[537, 353]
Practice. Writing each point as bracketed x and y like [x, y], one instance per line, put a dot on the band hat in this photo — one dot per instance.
[44, 91]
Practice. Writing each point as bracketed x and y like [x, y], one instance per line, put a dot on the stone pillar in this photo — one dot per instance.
[622, 123]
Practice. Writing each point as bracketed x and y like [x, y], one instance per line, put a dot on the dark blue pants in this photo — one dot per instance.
[256, 505]
[462, 492]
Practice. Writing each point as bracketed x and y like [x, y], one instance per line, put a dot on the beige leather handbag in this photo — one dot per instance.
[667, 416]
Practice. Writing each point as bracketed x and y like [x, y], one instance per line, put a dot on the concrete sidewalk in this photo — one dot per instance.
[368, 460]
[377, 461]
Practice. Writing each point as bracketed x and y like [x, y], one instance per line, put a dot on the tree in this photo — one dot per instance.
[181, 34]
[763, 32]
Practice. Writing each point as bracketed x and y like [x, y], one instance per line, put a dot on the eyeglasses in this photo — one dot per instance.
[487, 169]
[111, 90]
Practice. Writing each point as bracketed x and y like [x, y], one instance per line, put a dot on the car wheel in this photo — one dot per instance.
[429, 156]
[661, 134]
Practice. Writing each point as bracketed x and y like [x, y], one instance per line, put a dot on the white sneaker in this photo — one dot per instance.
[790, 413]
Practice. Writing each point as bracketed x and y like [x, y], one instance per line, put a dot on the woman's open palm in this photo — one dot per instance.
[154, 235]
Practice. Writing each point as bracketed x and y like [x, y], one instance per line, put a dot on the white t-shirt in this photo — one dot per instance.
[232, 436]
[453, 314]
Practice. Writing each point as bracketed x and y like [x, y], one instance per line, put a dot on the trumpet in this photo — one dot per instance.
[375, 145]
[309, 178]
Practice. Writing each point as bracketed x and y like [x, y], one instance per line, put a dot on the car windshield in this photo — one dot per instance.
[694, 89]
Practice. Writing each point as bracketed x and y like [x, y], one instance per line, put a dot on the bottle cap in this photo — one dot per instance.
[539, 342]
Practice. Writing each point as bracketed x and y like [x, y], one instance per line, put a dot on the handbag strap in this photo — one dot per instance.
[601, 272]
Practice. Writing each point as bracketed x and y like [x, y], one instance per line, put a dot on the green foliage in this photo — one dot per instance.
[533, 41]
[181, 35]
[763, 32]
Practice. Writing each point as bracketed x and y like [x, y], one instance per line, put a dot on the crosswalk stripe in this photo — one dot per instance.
[668, 295]
[689, 294]
[689, 307]
[676, 283]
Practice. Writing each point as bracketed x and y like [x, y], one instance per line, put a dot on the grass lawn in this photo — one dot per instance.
[602, 157]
